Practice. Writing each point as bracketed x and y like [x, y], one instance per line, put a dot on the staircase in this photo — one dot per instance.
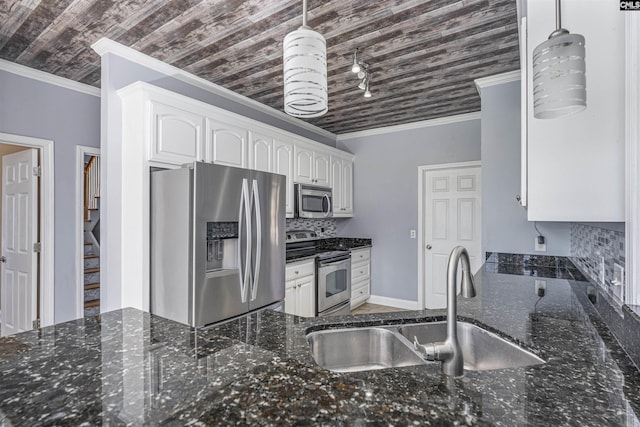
[91, 281]
[92, 236]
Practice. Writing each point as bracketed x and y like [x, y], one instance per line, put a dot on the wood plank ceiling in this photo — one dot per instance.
[424, 54]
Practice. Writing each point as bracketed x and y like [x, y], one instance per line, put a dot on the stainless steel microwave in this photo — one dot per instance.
[312, 201]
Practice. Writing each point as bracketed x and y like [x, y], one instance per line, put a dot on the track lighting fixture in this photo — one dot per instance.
[363, 72]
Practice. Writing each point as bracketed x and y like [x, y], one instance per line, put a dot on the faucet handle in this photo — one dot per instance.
[427, 351]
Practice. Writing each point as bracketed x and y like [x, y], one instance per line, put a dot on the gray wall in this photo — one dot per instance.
[69, 118]
[386, 196]
[504, 222]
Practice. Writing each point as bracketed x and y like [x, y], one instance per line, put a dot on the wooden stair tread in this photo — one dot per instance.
[87, 243]
[91, 256]
[90, 286]
[94, 303]
[91, 270]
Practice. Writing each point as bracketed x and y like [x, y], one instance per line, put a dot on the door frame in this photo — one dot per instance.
[422, 170]
[47, 223]
[81, 151]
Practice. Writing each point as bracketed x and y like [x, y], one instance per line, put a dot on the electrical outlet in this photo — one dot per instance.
[541, 288]
[412, 234]
[539, 247]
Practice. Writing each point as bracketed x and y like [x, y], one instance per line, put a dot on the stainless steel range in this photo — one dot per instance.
[333, 272]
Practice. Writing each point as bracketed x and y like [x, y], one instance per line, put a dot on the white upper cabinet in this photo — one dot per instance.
[573, 166]
[226, 144]
[342, 184]
[283, 164]
[312, 166]
[176, 135]
[304, 165]
[178, 130]
[260, 152]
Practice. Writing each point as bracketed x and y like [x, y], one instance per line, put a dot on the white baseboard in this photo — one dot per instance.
[394, 302]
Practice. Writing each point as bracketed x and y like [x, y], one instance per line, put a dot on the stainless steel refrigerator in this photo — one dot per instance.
[217, 242]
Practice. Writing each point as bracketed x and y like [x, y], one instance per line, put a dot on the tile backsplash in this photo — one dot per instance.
[595, 249]
[322, 227]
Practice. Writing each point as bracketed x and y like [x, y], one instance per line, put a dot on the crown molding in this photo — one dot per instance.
[508, 77]
[32, 73]
[105, 45]
[410, 126]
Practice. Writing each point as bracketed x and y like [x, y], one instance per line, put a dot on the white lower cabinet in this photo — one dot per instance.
[300, 289]
[360, 276]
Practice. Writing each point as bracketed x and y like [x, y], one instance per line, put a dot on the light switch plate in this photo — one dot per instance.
[412, 234]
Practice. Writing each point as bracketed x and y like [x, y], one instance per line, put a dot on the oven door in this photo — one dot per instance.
[334, 283]
[313, 202]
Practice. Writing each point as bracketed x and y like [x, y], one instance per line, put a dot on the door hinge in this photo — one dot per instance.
[37, 247]
[37, 171]
[36, 324]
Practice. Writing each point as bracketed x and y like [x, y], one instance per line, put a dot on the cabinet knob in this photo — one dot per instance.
[429, 247]
[296, 272]
[299, 284]
[361, 272]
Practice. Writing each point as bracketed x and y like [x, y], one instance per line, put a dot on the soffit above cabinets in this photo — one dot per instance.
[424, 55]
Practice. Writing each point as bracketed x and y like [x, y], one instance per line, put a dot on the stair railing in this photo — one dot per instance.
[91, 186]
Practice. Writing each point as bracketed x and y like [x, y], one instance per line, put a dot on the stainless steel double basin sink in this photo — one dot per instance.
[368, 348]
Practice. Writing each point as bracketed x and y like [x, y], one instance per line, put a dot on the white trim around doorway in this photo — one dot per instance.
[81, 151]
[421, 172]
[47, 270]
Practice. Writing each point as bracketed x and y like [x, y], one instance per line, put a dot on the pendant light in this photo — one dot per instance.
[305, 71]
[559, 81]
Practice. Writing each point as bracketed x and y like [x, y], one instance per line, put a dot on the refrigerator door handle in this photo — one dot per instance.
[244, 272]
[256, 268]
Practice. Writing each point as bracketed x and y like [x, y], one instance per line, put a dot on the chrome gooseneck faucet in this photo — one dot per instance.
[449, 352]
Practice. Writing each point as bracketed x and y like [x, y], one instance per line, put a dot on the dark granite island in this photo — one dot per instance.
[135, 369]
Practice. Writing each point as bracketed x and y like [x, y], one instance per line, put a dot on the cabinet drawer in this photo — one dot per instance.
[360, 255]
[356, 287]
[359, 298]
[359, 271]
[300, 269]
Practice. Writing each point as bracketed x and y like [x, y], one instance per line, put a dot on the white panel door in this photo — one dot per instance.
[176, 135]
[452, 217]
[304, 165]
[226, 143]
[260, 152]
[19, 233]
[322, 167]
[283, 164]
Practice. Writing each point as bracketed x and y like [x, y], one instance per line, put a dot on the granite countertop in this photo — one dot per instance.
[134, 368]
[332, 243]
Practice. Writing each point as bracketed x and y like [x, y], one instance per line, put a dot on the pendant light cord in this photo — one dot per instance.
[304, 13]
[558, 17]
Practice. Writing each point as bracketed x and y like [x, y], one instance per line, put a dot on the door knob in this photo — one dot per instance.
[429, 247]
[3, 258]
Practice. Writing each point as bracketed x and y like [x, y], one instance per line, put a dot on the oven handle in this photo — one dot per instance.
[332, 262]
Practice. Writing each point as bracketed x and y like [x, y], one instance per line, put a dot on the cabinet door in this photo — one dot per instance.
[347, 187]
[227, 144]
[337, 185]
[306, 296]
[322, 167]
[290, 297]
[260, 152]
[283, 164]
[303, 165]
[176, 135]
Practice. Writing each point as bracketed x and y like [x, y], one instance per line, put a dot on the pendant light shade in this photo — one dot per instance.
[305, 72]
[559, 80]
